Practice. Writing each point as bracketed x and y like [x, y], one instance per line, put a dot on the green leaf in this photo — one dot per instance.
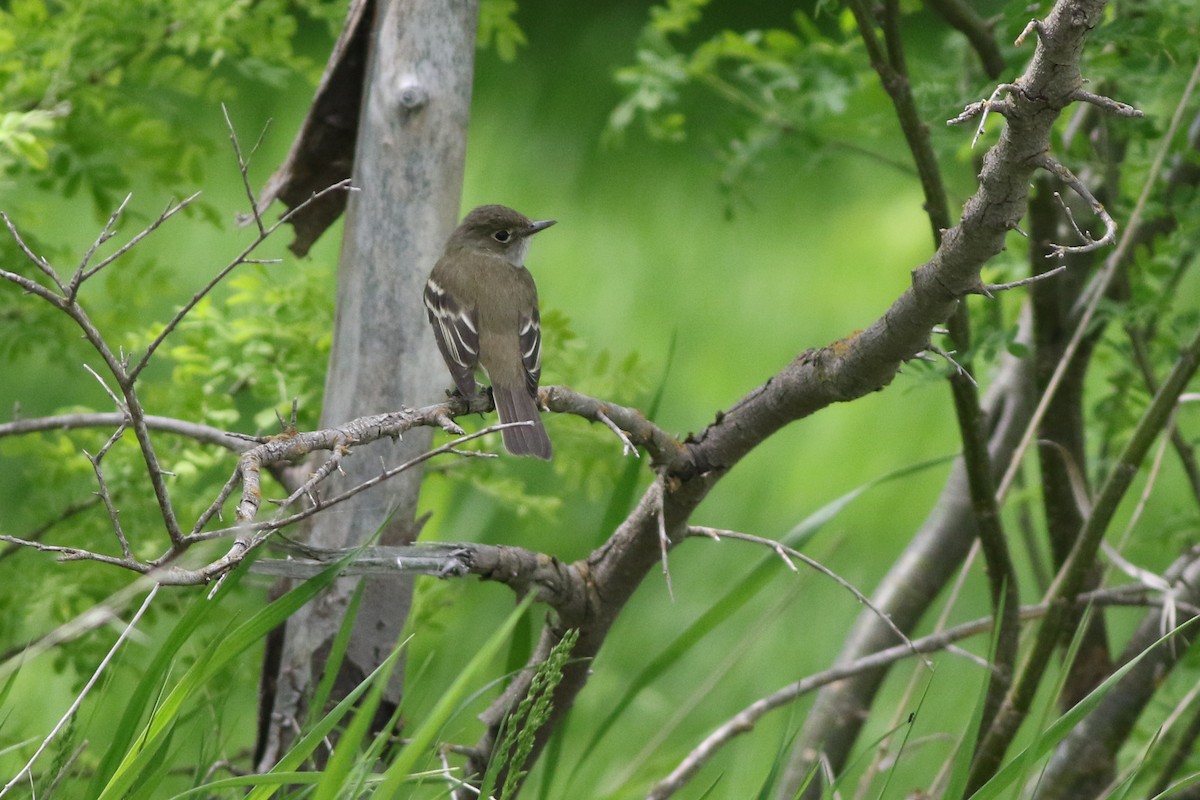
[759, 577]
[316, 735]
[1048, 739]
[141, 758]
[338, 774]
[418, 745]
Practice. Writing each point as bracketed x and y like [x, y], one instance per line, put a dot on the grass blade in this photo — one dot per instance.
[422, 738]
[140, 758]
[739, 595]
[1052, 736]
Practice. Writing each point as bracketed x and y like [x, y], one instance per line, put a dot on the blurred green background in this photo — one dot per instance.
[651, 247]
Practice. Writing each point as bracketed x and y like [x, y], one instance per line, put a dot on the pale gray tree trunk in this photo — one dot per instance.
[408, 171]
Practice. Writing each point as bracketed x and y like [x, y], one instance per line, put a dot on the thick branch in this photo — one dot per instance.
[558, 585]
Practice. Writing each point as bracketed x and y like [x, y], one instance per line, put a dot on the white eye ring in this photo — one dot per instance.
[502, 236]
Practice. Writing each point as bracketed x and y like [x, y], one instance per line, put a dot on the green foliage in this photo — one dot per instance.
[780, 82]
[129, 765]
[100, 97]
[499, 29]
[90, 87]
[19, 138]
[417, 747]
[1048, 738]
[246, 357]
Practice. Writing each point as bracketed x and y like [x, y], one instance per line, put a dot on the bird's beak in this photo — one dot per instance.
[539, 225]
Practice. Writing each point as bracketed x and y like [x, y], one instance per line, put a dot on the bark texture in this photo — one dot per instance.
[408, 172]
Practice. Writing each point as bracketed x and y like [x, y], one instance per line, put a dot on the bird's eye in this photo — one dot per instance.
[502, 236]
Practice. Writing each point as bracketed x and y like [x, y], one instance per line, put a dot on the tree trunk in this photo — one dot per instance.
[408, 171]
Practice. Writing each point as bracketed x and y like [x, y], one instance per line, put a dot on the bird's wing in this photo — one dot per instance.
[529, 334]
[456, 329]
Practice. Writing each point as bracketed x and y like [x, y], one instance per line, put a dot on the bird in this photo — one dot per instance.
[483, 307]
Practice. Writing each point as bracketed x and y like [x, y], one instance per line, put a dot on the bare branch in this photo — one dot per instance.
[627, 447]
[285, 448]
[250, 535]
[982, 108]
[243, 168]
[745, 720]
[214, 509]
[863, 362]
[105, 234]
[557, 584]
[192, 430]
[117, 401]
[105, 495]
[993, 288]
[77, 554]
[1100, 286]
[783, 551]
[1107, 104]
[1034, 26]
[28, 284]
[220, 276]
[1110, 225]
[662, 447]
[664, 542]
[171, 210]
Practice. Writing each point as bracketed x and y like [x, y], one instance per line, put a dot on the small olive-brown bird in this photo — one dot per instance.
[483, 306]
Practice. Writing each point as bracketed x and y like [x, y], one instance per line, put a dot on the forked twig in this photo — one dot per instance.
[787, 553]
[171, 210]
[244, 166]
[240, 259]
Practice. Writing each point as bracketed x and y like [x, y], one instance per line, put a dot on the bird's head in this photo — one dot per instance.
[498, 230]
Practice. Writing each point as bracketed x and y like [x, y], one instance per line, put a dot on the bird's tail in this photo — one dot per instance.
[518, 406]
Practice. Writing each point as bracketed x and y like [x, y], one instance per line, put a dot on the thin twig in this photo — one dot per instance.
[27, 284]
[117, 401]
[1034, 26]
[28, 768]
[664, 542]
[220, 276]
[959, 369]
[107, 233]
[993, 288]
[204, 434]
[243, 168]
[783, 551]
[214, 509]
[745, 720]
[171, 210]
[114, 515]
[1081, 189]
[627, 447]
[251, 535]
[1107, 103]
